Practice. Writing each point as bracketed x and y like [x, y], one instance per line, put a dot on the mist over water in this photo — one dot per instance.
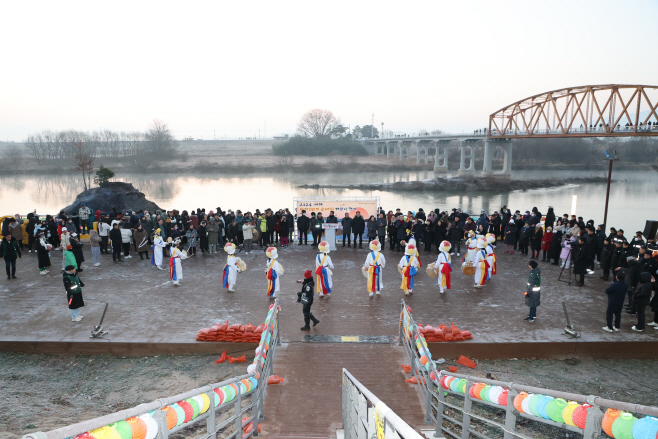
[632, 195]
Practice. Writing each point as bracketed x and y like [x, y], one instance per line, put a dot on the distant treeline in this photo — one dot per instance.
[53, 145]
[306, 146]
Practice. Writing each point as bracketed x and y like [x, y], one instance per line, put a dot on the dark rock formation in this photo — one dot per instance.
[119, 195]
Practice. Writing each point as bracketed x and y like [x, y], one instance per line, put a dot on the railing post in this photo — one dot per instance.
[466, 418]
[428, 401]
[238, 413]
[210, 422]
[160, 418]
[510, 417]
[594, 420]
[439, 412]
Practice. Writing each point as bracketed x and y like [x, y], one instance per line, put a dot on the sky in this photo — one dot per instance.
[229, 69]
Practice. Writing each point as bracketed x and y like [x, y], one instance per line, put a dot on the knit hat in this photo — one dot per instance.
[69, 268]
[68, 247]
[308, 274]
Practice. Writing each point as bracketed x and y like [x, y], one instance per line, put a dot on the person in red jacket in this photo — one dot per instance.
[546, 244]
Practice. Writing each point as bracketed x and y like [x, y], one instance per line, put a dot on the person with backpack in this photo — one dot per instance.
[73, 286]
[305, 297]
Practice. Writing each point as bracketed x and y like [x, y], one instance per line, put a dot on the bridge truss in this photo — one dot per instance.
[588, 111]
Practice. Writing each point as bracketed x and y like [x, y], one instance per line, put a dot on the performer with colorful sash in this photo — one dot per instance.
[231, 269]
[481, 264]
[158, 245]
[472, 244]
[273, 272]
[491, 255]
[322, 270]
[409, 267]
[443, 266]
[175, 267]
[375, 263]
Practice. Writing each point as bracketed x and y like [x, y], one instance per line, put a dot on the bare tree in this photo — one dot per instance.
[84, 161]
[159, 138]
[318, 124]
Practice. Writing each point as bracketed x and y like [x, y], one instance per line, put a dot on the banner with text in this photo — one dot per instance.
[340, 207]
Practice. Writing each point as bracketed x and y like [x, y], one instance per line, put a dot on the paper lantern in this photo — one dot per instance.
[235, 388]
[453, 385]
[200, 403]
[554, 409]
[242, 387]
[424, 360]
[138, 427]
[541, 406]
[229, 392]
[608, 419]
[447, 382]
[247, 384]
[579, 416]
[252, 367]
[471, 391]
[502, 398]
[106, 432]
[172, 417]
[461, 388]
[84, 436]
[478, 390]
[442, 381]
[216, 398]
[254, 382]
[525, 404]
[518, 400]
[567, 413]
[494, 393]
[124, 429]
[206, 402]
[622, 428]
[189, 411]
[532, 405]
[484, 393]
[645, 428]
[151, 426]
[180, 413]
[222, 396]
[432, 376]
[195, 407]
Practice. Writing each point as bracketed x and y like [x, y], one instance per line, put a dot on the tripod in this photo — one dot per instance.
[559, 278]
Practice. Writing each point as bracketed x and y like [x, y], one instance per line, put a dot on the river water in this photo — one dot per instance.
[632, 196]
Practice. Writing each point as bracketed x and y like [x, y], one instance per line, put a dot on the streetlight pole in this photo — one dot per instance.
[607, 191]
[382, 135]
[372, 126]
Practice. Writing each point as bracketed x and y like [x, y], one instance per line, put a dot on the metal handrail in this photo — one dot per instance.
[366, 418]
[433, 393]
[262, 373]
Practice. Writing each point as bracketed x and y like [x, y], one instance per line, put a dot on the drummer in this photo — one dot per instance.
[443, 267]
[472, 244]
[372, 270]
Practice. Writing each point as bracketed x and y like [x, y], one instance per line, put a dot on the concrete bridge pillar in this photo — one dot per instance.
[388, 148]
[411, 145]
[441, 158]
[463, 170]
[401, 146]
[487, 166]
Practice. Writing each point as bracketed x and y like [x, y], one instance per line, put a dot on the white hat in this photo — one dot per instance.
[229, 248]
[410, 249]
[375, 245]
[324, 247]
[272, 253]
[482, 243]
[64, 229]
[445, 246]
[74, 234]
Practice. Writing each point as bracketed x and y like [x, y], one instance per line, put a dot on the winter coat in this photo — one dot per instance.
[546, 241]
[77, 251]
[358, 225]
[555, 246]
[141, 240]
[43, 255]
[69, 259]
[10, 250]
[592, 242]
[203, 237]
[533, 290]
[526, 233]
[29, 229]
[195, 221]
[581, 260]
[606, 257]
[536, 239]
[347, 225]
[633, 274]
[566, 249]
[126, 235]
[550, 218]
[213, 233]
[654, 303]
[146, 225]
[642, 295]
[16, 231]
[381, 226]
[510, 234]
[618, 258]
[331, 219]
[372, 229]
[115, 237]
[192, 237]
[616, 293]
[303, 223]
[284, 229]
[400, 230]
[94, 239]
[73, 286]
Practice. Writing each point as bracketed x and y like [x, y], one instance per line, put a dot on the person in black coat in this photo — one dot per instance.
[555, 248]
[550, 218]
[43, 253]
[580, 261]
[605, 257]
[518, 222]
[76, 248]
[303, 225]
[654, 309]
[617, 258]
[358, 227]
[428, 237]
[10, 250]
[306, 295]
[347, 229]
[616, 293]
[392, 232]
[73, 286]
[641, 299]
[400, 232]
[115, 237]
[592, 248]
[510, 237]
[535, 240]
[203, 237]
[632, 279]
[533, 291]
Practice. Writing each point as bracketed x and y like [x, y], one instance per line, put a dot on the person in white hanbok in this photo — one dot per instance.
[273, 272]
[175, 266]
[158, 245]
[443, 267]
[374, 266]
[323, 265]
[231, 269]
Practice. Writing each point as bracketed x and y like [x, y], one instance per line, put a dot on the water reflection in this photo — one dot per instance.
[48, 194]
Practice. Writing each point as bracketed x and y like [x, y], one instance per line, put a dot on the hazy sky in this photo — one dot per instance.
[236, 67]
